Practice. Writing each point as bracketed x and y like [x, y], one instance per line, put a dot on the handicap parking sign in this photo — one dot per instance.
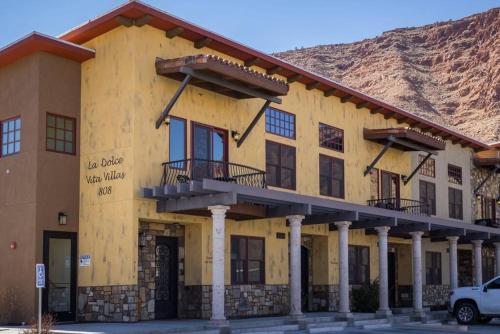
[40, 275]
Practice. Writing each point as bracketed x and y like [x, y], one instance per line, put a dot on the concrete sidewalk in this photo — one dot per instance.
[321, 322]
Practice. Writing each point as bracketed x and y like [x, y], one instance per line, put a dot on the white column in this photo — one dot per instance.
[295, 266]
[478, 261]
[497, 257]
[218, 217]
[417, 273]
[383, 297]
[452, 246]
[343, 232]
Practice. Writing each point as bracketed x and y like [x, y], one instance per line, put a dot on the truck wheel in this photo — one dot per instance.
[466, 313]
[484, 320]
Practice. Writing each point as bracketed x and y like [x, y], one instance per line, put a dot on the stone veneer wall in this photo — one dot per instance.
[435, 295]
[108, 303]
[147, 269]
[325, 298]
[249, 300]
[489, 189]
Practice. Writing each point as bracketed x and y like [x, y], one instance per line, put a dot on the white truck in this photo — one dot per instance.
[477, 304]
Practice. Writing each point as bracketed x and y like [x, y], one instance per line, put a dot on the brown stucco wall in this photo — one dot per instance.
[34, 184]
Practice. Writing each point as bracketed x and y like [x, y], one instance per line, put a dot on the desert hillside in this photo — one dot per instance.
[448, 72]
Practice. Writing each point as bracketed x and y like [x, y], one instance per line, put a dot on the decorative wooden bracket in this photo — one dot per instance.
[407, 179]
[170, 104]
[138, 22]
[253, 123]
[493, 172]
[378, 157]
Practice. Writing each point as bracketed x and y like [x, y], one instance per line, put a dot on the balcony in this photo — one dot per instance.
[491, 222]
[184, 171]
[409, 206]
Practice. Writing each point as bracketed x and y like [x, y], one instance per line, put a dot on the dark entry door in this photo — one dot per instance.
[166, 277]
[304, 255]
[464, 267]
[390, 189]
[59, 257]
[392, 278]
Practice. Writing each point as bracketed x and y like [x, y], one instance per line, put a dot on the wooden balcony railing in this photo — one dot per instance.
[410, 206]
[183, 171]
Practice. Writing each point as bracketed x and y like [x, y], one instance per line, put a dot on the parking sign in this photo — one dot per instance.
[40, 275]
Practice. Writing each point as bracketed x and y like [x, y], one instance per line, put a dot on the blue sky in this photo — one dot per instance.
[268, 25]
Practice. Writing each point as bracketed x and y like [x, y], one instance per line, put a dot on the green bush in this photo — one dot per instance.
[365, 298]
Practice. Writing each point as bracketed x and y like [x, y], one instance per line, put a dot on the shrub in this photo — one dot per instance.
[365, 298]
[48, 322]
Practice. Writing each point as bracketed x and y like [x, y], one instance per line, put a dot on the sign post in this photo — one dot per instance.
[40, 284]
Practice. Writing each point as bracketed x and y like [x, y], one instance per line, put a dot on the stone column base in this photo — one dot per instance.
[383, 314]
[418, 315]
[345, 316]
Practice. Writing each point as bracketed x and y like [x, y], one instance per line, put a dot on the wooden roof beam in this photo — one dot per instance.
[389, 114]
[362, 105]
[294, 78]
[202, 42]
[124, 21]
[313, 85]
[251, 61]
[138, 22]
[403, 120]
[142, 21]
[329, 92]
[274, 70]
[346, 98]
[376, 110]
[174, 32]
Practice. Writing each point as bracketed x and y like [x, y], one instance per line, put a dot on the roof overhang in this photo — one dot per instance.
[487, 159]
[222, 76]
[405, 139]
[138, 13]
[36, 42]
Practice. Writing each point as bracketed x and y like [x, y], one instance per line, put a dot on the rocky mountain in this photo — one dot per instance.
[448, 72]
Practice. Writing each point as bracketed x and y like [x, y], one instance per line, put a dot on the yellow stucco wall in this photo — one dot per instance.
[121, 99]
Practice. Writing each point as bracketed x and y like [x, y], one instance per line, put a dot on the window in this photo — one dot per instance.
[359, 265]
[280, 123]
[177, 140]
[280, 165]
[11, 136]
[374, 184]
[331, 176]
[389, 187]
[494, 284]
[331, 137]
[488, 261]
[428, 196]
[247, 260]
[455, 203]
[454, 174]
[488, 207]
[433, 268]
[429, 166]
[61, 134]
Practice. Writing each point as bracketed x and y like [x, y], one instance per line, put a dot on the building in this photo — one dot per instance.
[216, 181]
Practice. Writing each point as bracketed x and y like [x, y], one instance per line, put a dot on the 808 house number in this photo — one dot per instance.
[102, 191]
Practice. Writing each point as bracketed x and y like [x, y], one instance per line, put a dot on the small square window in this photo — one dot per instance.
[331, 137]
[429, 166]
[60, 134]
[280, 123]
[454, 174]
